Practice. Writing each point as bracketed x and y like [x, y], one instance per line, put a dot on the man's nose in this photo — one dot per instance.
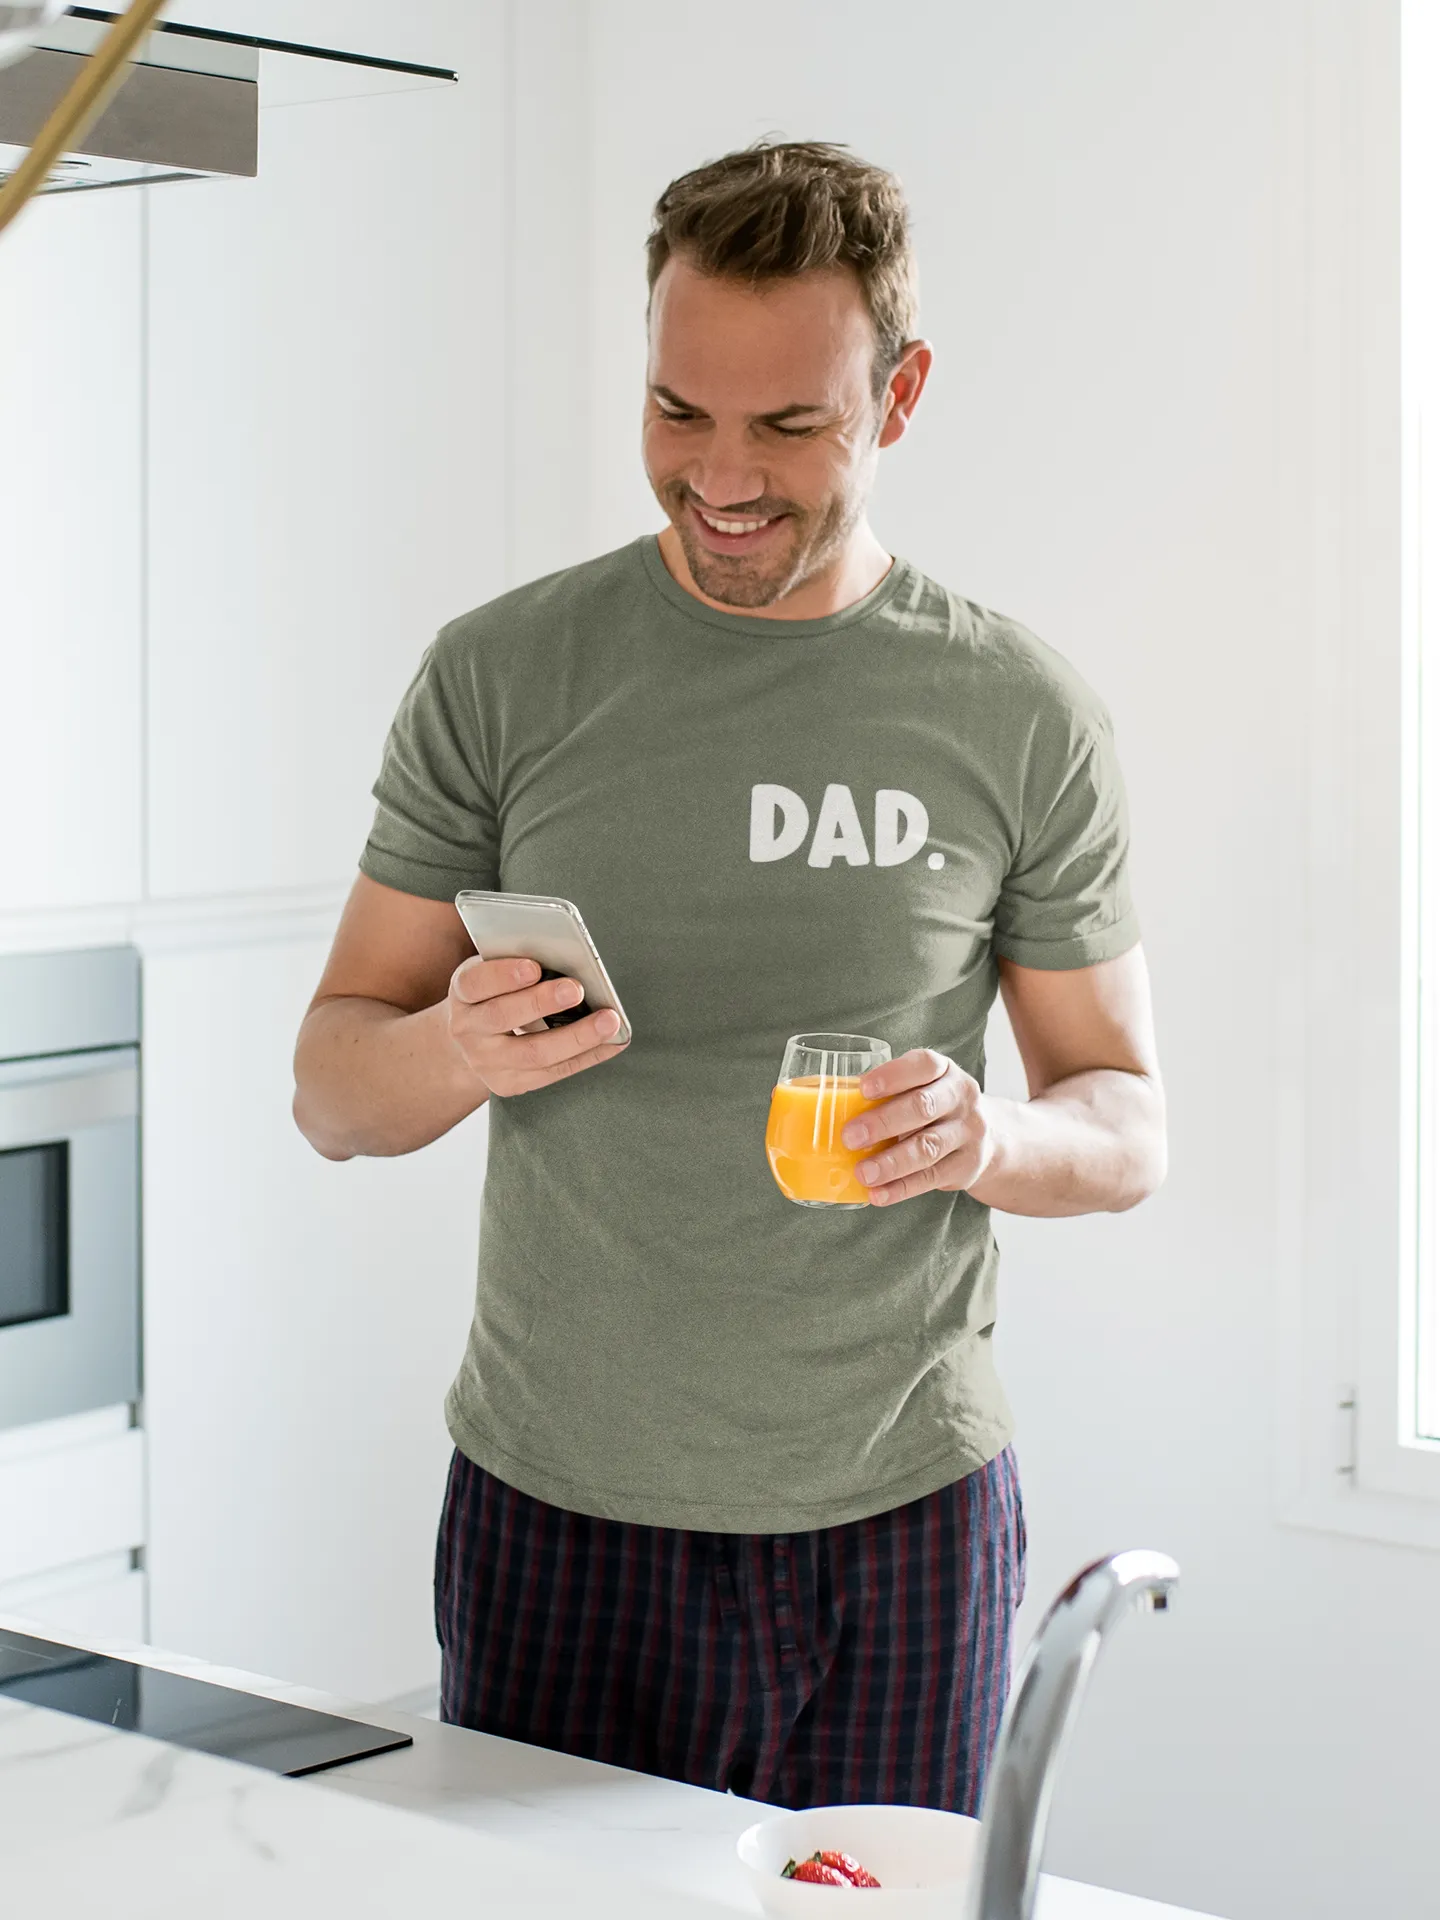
[727, 476]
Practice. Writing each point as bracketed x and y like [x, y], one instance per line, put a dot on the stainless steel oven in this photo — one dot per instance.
[69, 1183]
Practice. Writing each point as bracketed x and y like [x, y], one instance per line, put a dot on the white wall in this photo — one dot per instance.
[1113, 206]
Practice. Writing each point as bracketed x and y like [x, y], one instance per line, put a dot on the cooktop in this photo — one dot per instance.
[186, 1712]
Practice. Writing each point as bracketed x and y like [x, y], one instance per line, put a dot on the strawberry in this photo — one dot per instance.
[847, 1864]
[819, 1875]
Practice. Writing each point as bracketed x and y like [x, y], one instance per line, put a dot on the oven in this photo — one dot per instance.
[69, 1183]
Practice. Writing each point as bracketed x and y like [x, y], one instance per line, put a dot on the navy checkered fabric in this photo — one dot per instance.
[862, 1662]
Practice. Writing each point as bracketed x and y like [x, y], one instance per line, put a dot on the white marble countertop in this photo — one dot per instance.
[93, 1820]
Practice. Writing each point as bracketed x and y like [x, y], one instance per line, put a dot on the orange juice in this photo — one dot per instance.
[803, 1145]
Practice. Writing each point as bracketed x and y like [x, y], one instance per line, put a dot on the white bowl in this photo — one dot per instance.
[920, 1855]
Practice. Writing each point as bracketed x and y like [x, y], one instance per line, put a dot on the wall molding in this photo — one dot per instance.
[282, 915]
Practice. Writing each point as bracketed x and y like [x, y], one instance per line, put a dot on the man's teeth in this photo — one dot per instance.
[734, 526]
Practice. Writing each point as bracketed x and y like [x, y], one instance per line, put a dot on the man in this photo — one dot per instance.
[733, 1498]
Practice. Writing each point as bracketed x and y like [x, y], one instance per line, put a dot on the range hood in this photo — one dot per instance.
[189, 108]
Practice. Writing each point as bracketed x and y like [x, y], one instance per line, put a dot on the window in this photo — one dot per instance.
[1357, 1022]
[1418, 1320]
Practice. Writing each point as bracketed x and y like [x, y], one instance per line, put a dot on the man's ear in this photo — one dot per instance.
[903, 390]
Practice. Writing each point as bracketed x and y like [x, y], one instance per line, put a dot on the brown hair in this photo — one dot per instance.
[779, 208]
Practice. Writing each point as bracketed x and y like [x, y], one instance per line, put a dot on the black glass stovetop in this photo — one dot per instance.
[186, 1712]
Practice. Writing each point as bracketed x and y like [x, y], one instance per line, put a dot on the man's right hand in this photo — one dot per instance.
[489, 999]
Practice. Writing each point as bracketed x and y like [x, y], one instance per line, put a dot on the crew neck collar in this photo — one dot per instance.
[669, 588]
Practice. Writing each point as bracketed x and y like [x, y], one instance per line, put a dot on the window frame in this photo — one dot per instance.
[1355, 1111]
[1419, 1315]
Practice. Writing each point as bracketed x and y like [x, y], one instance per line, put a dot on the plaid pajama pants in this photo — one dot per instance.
[862, 1662]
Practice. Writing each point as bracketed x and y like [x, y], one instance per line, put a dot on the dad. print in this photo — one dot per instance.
[780, 820]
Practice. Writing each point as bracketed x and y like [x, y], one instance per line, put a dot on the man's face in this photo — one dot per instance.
[760, 425]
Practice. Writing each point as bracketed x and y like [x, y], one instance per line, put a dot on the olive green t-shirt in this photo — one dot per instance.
[770, 827]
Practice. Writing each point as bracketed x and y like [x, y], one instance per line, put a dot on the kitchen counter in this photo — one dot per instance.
[89, 1815]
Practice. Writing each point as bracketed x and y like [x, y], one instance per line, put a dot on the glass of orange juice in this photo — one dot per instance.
[817, 1092]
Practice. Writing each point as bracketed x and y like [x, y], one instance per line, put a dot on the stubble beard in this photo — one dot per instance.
[744, 581]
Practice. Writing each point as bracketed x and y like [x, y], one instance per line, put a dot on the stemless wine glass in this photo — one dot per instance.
[817, 1092]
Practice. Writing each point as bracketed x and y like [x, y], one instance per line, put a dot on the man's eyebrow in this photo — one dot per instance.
[672, 399]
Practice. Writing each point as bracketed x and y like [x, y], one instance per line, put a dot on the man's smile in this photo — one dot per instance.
[732, 533]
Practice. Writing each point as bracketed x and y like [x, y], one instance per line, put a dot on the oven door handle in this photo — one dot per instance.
[46, 1110]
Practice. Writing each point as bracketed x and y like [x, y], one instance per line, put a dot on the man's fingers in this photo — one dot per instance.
[506, 1011]
[918, 1152]
[912, 1069]
[528, 1082]
[496, 997]
[913, 1183]
[928, 1100]
[907, 1113]
[544, 1052]
[590, 1058]
[479, 979]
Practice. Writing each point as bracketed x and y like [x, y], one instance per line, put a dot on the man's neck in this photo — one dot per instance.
[858, 571]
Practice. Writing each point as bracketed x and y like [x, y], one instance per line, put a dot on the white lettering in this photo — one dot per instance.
[892, 847]
[838, 831]
[779, 820]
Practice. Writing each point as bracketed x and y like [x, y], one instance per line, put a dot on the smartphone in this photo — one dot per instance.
[537, 926]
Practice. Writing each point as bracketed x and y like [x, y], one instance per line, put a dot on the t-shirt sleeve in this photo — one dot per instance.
[1066, 900]
[435, 826]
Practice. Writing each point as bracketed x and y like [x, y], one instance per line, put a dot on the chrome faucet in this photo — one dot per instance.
[1038, 1719]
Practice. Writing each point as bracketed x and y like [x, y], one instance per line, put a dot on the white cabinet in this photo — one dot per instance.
[72, 1491]
[99, 1601]
[303, 1320]
[72, 1521]
[329, 419]
[70, 585]
[70, 1503]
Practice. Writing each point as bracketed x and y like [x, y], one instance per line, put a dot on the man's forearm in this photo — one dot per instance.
[1094, 1143]
[372, 1079]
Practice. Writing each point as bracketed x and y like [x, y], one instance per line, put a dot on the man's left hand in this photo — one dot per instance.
[935, 1118]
